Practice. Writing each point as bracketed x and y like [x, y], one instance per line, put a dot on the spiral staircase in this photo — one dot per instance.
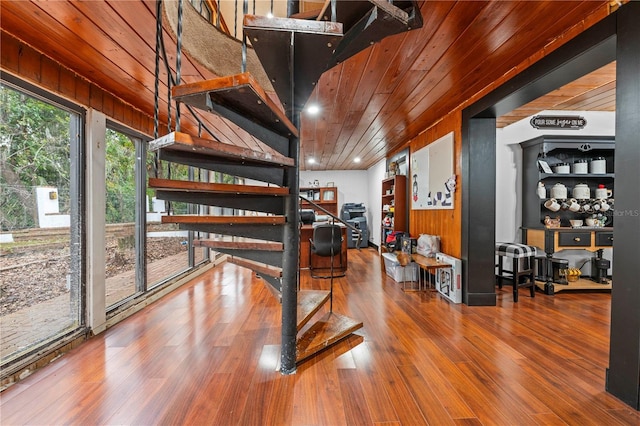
[294, 53]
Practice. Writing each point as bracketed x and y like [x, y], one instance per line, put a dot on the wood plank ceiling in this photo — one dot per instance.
[370, 105]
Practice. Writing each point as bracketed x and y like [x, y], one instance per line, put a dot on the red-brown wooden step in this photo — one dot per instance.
[260, 268]
[216, 188]
[246, 245]
[309, 303]
[177, 141]
[324, 333]
[240, 94]
[225, 220]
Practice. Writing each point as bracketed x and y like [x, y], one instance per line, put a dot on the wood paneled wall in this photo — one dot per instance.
[448, 223]
[21, 60]
[445, 223]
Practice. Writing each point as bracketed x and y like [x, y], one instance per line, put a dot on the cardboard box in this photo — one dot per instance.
[397, 272]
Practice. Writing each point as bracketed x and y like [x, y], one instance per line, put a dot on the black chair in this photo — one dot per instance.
[327, 242]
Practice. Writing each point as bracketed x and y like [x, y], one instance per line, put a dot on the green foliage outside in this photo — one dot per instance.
[34, 151]
[120, 181]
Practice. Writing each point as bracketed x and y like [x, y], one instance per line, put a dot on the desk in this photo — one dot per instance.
[427, 263]
[306, 233]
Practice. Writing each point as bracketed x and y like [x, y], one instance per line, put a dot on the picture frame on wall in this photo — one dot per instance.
[432, 180]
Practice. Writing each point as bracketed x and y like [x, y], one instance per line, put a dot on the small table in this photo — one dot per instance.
[427, 263]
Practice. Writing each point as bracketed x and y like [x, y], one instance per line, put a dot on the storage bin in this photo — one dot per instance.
[397, 272]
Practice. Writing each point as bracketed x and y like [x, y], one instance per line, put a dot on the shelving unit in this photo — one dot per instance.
[565, 149]
[562, 149]
[326, 197]
[394, 205]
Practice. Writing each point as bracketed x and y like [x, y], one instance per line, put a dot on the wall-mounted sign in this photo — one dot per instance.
[567, 122]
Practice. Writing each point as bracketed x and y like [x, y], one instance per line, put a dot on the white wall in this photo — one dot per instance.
[374, 216]
[509, 173]
[48, 206]
[354, 186]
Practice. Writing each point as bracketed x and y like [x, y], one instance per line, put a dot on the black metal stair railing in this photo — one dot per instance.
[334, 218]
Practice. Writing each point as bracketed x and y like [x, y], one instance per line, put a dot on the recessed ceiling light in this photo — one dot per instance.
[311, 160]
[356, 160]
[313, 109]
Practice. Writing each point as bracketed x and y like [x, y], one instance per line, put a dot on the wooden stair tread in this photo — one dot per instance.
[274, 291]
[267, 253]
[294, 53]
[225, 220]
[376, 21]
[264, 199]
[349, 13]
[241, 94]
[216, 188]
[247, 245]
[177, 141]
[309, 303]
[327, 331]
[260, 268]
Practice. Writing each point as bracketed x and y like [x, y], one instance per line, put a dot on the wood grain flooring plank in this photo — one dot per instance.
[424, 396]
[265, 407]
[355, 405]
[549, 419]
[205, 407]
[208, 354]
[242, 361]
[503, 374]
[380, 406]
[330, 404]
[63, 409]
[305, 394]
[465, 385]
[145, 390]
[446, 393]
[187, 382]
[545, 388]
[510, 404]
[402, 401]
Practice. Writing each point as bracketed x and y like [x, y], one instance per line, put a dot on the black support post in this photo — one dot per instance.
[478, 195]
[291, 260]
[623, 374]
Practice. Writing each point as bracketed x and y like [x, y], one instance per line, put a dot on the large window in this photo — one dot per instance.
[168, 253]
[120, 216]
[40, 242]
[49, 291]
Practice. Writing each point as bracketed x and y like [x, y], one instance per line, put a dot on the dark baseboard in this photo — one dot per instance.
[480, 299]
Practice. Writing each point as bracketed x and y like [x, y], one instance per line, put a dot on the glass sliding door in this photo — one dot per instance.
[120, 217]
[40, 237]
[167, 253]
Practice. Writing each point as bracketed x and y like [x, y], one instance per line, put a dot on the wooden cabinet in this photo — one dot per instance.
[325, 197]
[573, 152]
[553, 240]
[394, 206]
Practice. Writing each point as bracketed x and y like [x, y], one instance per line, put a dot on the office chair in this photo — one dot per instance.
[326, 242]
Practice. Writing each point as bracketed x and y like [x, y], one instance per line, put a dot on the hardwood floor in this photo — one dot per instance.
[209, 352]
